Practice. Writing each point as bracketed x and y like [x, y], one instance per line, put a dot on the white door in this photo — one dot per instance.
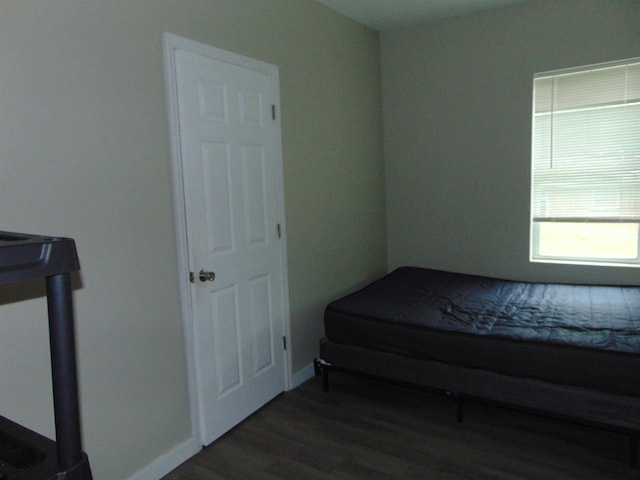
[231, 168]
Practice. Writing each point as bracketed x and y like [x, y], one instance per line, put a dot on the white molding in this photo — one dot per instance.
[170, 44]
[164, 464]
[302, 376]
[174, 42]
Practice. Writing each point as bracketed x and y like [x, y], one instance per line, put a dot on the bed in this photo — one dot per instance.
[566, 351]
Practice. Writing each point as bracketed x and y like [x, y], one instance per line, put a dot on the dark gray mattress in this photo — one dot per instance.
[580, 335]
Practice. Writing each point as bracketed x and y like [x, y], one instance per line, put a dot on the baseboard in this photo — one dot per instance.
[302, 376]
[164, 464]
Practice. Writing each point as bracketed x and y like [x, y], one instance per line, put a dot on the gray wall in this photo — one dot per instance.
[84, 152]
[457, 129]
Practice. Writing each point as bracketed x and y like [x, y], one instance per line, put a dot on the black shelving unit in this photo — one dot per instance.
[24, 454]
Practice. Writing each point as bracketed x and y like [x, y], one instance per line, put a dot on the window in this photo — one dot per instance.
[585, 194]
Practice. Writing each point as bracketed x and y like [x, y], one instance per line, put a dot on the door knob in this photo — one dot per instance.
[205, 276]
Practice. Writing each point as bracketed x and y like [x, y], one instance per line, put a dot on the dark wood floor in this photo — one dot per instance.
[364, 429]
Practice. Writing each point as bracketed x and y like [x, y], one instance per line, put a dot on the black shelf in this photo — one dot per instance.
[24, 454]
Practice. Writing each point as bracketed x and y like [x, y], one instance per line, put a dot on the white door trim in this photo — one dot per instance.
[171, 43]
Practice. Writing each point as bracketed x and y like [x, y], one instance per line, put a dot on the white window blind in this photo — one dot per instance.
[586, 145]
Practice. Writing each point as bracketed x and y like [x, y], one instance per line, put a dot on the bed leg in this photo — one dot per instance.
[459, 403]
[633, 450]
[322, 368]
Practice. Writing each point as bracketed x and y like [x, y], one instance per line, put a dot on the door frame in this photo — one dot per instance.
[171, 43]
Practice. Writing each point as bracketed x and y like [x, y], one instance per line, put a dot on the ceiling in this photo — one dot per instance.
[389, 14]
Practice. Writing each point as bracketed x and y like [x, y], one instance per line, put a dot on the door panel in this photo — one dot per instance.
[226, 324]
[216, 165]
[253, 162]
[261, 323]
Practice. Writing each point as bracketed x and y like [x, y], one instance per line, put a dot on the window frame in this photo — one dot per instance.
[535, 221]
[536, 257]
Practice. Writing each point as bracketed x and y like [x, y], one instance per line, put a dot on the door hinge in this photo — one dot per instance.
[284, 343]
[273, 112]
[279, 231]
